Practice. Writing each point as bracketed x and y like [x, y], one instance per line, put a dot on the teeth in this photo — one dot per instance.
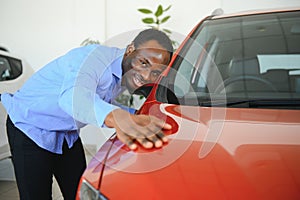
[138, 81]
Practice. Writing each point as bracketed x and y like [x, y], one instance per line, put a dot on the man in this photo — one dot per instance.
[76, 89]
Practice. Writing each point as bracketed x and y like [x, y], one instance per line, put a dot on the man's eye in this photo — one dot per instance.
[143, 63]
[155, 74]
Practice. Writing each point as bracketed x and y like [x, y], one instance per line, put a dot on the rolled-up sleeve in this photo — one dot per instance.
[78, 97]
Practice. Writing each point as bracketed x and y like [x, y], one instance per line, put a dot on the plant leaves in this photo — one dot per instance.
[148, 20]
[167, 31]
[165, 19]
[145, 10]
[167, 8]
[159, 11]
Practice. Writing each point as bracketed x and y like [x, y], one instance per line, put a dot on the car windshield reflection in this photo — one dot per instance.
[253, 58]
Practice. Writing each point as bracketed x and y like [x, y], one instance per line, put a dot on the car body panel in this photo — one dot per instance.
[255, 156]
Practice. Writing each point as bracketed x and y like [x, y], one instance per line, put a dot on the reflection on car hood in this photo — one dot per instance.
[215, 153]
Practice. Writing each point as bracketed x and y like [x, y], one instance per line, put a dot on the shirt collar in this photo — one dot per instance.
[116, 65]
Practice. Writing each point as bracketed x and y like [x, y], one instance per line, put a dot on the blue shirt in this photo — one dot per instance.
[70, 92]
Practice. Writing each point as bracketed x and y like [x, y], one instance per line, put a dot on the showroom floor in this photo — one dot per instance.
[8, 190]
[8, 187]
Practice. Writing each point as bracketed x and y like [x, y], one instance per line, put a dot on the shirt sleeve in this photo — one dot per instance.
[128, 109]
[78, 95]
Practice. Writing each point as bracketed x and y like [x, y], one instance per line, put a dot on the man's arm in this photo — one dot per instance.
[84, 70]
[146, 130]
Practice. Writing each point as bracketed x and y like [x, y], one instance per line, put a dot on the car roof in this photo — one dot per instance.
[218, 13]
[3, 49]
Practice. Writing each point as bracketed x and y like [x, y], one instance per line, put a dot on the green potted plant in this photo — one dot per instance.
[156, 18]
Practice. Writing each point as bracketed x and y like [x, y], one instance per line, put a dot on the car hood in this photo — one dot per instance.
[213, 153]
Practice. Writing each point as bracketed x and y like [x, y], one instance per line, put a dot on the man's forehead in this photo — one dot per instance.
[151, 44]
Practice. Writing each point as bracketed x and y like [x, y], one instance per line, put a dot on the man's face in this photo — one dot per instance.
[144, 64]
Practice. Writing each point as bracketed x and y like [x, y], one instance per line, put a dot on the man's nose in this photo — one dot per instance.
[146, 74]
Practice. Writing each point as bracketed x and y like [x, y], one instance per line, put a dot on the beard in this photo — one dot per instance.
[132, 80]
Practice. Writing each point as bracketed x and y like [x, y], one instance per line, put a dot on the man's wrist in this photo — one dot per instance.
[109, 120]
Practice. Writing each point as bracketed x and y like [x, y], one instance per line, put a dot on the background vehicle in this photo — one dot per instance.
[232, 94]
[13, 73]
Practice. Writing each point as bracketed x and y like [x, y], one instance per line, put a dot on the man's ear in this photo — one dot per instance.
[130, 48]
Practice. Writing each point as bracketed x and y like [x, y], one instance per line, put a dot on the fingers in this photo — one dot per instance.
[127, 140]
[163, 137]
[151, 142]
[149, 136]
[138, 129]
[148, 126]
[160, 123]
[156, 141]
[145, 143]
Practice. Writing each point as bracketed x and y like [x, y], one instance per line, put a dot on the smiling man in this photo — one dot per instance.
[143, 64]
[76, 89]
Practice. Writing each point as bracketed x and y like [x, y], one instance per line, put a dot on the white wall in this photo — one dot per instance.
[40, 31]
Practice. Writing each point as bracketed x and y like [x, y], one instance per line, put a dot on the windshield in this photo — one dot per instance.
[230, 61]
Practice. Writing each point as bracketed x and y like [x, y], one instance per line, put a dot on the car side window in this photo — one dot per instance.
[10, 68]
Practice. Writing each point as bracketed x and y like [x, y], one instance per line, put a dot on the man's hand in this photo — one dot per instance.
[146, 130]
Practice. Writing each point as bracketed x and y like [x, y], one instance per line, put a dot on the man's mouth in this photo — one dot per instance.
[138, 80]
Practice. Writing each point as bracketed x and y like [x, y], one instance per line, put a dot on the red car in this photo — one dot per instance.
[232, 95]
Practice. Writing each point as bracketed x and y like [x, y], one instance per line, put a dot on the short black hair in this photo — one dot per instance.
[154, 34]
